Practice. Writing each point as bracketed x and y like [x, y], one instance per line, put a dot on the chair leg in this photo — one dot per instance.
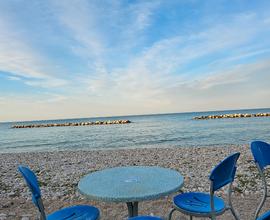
[42, 210]
[230, 202]
[213, 217]
[260, 206]
[234, 213]
[170, 214]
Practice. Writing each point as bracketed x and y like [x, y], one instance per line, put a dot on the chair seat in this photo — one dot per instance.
[196, 202]
[79, 212]
[265, 216]
[145, 218]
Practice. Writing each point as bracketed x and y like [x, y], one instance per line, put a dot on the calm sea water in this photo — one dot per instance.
[166, 130]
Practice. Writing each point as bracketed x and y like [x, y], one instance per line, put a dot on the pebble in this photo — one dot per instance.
[3, 216]
[59, 172]
[26, 217]
[11, 214]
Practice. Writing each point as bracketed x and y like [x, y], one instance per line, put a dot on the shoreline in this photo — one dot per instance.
[60, 171]
[119, 148]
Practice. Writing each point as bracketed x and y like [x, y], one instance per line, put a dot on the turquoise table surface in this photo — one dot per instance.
[130, 185]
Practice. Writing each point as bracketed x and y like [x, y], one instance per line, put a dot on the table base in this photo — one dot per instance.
[132, 209]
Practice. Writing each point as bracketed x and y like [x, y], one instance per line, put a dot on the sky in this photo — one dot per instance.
[87, 58]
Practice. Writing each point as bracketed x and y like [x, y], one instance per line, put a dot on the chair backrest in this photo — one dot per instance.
[32, 183]
[224, 172]
[261, 153]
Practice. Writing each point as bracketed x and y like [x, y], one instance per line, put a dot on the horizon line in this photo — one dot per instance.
[134, 115]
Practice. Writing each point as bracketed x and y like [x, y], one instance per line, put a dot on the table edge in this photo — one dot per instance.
[134, 199]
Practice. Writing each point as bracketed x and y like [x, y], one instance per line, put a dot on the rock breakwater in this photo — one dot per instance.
[72, 124]
[236, 115]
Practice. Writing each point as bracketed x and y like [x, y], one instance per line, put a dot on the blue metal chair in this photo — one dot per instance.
[79, 212]
[207, 204]
[261, 154]
[145, 218]
[265, 216]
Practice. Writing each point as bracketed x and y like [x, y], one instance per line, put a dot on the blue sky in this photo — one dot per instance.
[79, 58]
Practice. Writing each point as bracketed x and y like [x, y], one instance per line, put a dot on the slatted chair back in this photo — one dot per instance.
[32, 183]
[224, 172]
[261, 154]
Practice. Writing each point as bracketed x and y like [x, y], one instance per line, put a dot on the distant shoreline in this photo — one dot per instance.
[133, 115]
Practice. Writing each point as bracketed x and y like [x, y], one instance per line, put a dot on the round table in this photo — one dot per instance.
[130, 185]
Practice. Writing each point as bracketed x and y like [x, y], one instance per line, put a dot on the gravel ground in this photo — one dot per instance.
[60, 172]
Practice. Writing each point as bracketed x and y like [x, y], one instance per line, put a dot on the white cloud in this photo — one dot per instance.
[46, 83]
[14, 78]
[156, 68]
[50, 98]
[124, 70]
[240, 55]
[141, 14]
[157, 74]
[102, 31]
[245, 86]
[81, 20]
[19, 59]
[238, 74]
[2, 101]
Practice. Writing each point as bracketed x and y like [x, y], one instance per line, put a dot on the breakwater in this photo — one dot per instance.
[72, 124]
[236, 115]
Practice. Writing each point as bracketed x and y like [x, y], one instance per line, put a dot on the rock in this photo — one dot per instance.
[13, 194]
[236, 115]
[3, 216]
[11, 214]
[26, 217]
[7, 204]
[72, 124]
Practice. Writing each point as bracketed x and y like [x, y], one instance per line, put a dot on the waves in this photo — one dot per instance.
[166, 130]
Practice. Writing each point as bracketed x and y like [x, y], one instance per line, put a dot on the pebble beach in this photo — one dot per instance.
[60, 171]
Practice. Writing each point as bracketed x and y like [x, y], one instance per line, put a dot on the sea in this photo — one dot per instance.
[157, 131]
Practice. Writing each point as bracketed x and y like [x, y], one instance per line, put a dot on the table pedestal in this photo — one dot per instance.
[132, 209]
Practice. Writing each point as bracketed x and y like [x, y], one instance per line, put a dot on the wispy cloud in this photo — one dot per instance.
[20, 60]
[134, 57]
[243, 73]
[162, 66]
[81, 21]
[14, 78]
[15, 56]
